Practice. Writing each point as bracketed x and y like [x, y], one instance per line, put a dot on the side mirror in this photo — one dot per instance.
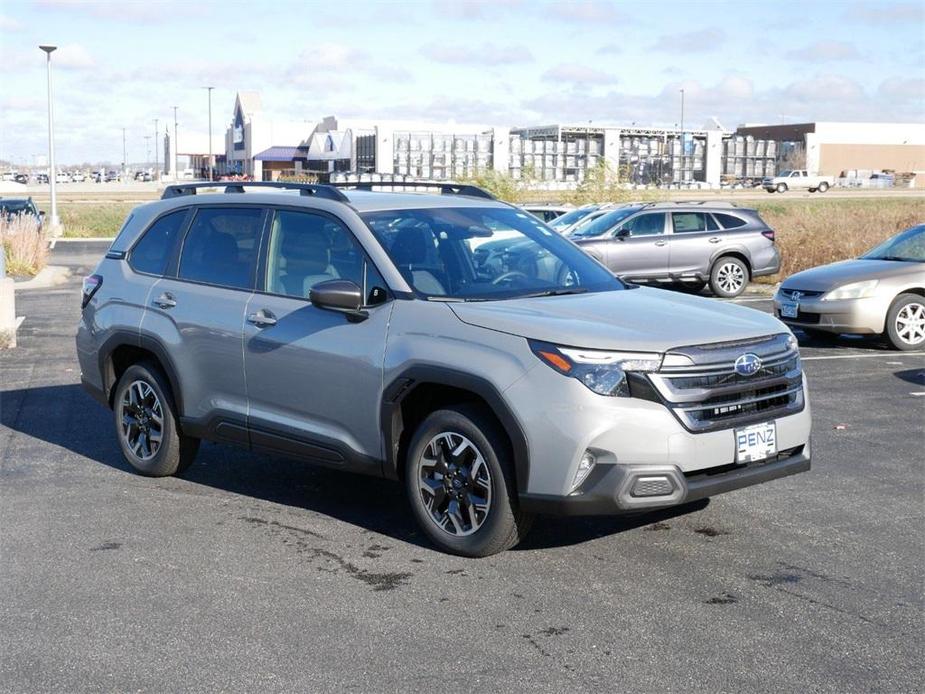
[621, 233]
[41, 213]
[339, 295]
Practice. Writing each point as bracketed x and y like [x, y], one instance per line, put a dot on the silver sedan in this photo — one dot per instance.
[880, 293]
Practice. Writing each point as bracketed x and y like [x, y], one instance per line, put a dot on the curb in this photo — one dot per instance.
[50, 276]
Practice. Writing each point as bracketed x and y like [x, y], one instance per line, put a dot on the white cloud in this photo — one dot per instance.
[475, 9]
[573, 73]
[73, 56]
[9, 23]
[887, 12]
[903, 89]
[701, 41]
[825, 51]
[586, 11]
[484, 54]
[609, 49]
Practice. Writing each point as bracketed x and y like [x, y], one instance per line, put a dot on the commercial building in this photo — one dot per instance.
[848, 150]
[560, 155]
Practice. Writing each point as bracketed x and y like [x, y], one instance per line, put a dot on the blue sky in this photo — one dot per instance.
[504, 62]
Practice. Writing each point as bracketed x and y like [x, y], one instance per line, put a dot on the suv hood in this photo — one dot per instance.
[643, 319]
[827, 277]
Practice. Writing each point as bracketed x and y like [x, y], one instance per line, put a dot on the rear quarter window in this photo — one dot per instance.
[152, 252]
[728, 221]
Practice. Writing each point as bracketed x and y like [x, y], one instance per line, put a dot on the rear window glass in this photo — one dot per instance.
[729, 221]
[221, 247]
[152, 253]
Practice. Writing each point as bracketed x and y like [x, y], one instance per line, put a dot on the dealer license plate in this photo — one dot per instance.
[789, 309]
[756, 442]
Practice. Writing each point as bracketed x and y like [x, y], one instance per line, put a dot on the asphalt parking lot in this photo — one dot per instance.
[258, 573]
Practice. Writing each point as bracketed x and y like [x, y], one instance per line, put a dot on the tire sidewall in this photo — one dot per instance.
[901, 301]
[781, 187]
[486, 439]
[714, 277]
[166, 460]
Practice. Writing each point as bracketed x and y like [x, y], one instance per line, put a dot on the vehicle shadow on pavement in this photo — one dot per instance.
[66, 417]
[914, 376]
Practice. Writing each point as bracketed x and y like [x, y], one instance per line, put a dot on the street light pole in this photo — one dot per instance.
[211, 174]
[157, 173]
[52, 172]
[123, 155]
[682, 134]
[173, 150]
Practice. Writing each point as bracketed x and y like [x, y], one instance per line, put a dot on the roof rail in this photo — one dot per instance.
[690, 203]
[445, 188]
[309, 189]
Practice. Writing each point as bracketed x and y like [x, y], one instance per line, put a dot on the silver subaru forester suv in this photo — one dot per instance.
[389, 333]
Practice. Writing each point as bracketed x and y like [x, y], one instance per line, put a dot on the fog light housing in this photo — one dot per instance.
[655, 485]
[585, 465]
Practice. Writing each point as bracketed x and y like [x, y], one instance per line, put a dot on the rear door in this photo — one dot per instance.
[197, 312]
[694, 238]
[314, 376]
[643, 253]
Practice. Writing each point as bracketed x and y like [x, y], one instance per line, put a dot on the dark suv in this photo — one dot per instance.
[687, 243]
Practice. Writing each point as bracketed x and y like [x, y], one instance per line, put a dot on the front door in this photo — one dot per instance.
[314, 376]
[639, 249]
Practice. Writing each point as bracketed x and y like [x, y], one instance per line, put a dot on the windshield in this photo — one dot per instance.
[569, 218]
[479, 254]
[602, 224]
[784, 173]
[908, 246]
[14, 206]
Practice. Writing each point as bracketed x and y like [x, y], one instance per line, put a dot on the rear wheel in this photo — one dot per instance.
[823, 186]
[729, 277]
[460, 484]
[812, 190]
[905, 322]
[146, 424]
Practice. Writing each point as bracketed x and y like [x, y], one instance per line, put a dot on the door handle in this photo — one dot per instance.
[660, 243]
[715, 239]
[165, 301]
[262, 319]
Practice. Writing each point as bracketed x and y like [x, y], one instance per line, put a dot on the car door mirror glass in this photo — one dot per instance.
[621, 233]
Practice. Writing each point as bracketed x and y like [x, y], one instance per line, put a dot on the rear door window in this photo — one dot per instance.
[152, 252]
[221, 246]
[728, 221]
[688, 222]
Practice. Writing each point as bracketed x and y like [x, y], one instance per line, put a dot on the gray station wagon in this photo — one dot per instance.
[376, 332]
[688, 243]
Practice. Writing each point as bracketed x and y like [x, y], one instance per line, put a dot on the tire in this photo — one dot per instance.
[781, 187]
[485, 471]
[144, 385]
[812, 190]
[905, 322]
[823, 187]
[729, 277]
[771, 190]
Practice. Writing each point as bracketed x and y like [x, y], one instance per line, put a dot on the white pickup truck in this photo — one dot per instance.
[796, 179]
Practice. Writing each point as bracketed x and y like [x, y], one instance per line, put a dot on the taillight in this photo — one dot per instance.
[91, 286]
[769, 235]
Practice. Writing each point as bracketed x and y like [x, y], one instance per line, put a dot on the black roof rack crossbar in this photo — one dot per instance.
[314, 189]
[445, 188]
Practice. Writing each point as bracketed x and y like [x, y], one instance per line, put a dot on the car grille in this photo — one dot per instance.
[702, 388]
[802, 317]
[801, 294]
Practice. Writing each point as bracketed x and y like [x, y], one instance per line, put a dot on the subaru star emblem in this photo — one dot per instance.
[748, 364]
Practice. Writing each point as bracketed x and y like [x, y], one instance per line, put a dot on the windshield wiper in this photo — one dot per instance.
[562, 291]
[894, 257]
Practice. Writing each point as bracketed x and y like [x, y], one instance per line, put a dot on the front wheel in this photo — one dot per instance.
[781, 187]
[729, 277]
[460, 484]
[147, 426]
[905, 322]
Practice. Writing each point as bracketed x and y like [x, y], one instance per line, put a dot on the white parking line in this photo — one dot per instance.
[860, 356]
[918, 394]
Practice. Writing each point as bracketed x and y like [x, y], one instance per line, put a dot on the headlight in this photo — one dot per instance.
[602, 372]
[855, 290]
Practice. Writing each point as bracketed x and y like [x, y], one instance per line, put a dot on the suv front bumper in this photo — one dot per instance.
[617, 487]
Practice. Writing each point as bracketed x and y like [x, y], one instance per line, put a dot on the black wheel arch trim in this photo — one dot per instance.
[422, 374]
[121, 338]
